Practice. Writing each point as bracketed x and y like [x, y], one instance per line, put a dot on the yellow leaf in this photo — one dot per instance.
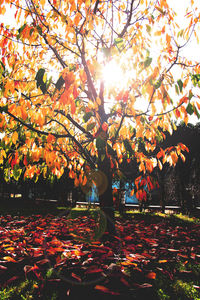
[9, 87]
[98, 101]
[42, 3]
[14, 137]
[8, 258]
[160, 165]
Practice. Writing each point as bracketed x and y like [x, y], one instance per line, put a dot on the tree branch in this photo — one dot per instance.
[128, 21]
[29, 126]
[78, 126]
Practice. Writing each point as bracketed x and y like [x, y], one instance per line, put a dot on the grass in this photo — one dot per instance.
[24, 290]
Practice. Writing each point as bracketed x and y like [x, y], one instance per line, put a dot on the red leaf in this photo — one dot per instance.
[151, 275]
[11, 280]
[105, 290]
[76, 277]
[93, 270]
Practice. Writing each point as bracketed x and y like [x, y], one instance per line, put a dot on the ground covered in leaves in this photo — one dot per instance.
[71, 255]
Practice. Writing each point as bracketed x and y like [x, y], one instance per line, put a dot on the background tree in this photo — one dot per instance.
[61, 106]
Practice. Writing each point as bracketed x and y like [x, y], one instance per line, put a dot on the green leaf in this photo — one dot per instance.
[39, 76]
[22, 28]
[39, 29]
[103, 157]
[4, 108]
[40, 80]
[17, 172]
[176, 88]
[190, 109]
[100, 143]
[180, 84]
[157, 84]
[118, 41]
[190, 95]
[31, 31]
[128, 147]
[87, 116]
[195, 79]
[148, 28]
[60, 83]
[196, 112]
[91, 126]
[160, 10]
[180, 33]
[20, 31]
[147, 62]
[2, 67]
[72, 67]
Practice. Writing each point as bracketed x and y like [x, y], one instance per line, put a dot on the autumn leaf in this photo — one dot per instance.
[106, 290]
[50, 138]
[151, 275]
[9, 258]
[14, 137]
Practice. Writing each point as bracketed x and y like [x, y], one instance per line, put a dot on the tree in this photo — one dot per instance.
[61, 106]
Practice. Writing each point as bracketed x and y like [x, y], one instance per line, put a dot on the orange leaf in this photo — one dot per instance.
[76, 182]
[50, 139]
[198, 105]
[168, 38]
[162, 261]
[14, 137]
[151, 275]
[84, 180]
[24, 113]
[75, 92]
[69, 78]
[105, 290]
[65, 99]
[73, 108]
[25, 161]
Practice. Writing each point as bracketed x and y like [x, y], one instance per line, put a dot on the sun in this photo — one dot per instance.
[112, 74]
[115, 76]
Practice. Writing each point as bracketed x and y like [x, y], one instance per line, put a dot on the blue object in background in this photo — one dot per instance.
[92, 196]
[127, 190]
[128, 198]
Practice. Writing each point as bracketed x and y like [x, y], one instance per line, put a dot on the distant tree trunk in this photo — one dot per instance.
[162, 197]
[121, 197]
[182, 176]
[161, 181]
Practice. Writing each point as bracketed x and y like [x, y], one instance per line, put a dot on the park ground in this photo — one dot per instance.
[66, 254]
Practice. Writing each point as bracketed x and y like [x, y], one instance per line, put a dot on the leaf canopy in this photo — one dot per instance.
[53, 92]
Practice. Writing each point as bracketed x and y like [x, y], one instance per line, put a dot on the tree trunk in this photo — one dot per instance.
[105, 193]
[162, 198]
